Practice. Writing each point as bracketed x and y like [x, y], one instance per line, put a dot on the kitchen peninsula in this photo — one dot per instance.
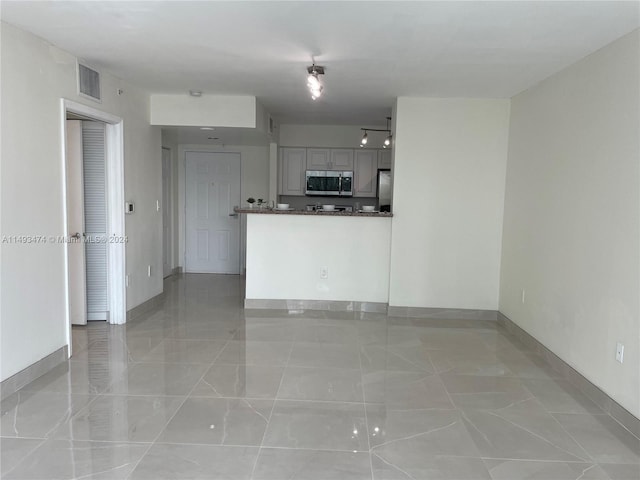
[317, 260]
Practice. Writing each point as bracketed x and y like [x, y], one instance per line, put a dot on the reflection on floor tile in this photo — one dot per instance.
[38, 414]
[171, 462]
[219, 421]
[332, 384]
[398, 465]
[317, 425]
[121, 418]
[199, 388]
[602, 437]
[408, 390]
[521, 470]
[64, 459]
[159, 379]
[559, 396]
[246, 381]
[15, 450]
[311, 465]
[324, 355]
[255, 353]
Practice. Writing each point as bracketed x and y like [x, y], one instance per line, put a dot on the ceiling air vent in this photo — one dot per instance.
[88, 82]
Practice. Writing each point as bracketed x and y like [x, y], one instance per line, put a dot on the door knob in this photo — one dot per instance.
[233, 214]
[76, 235]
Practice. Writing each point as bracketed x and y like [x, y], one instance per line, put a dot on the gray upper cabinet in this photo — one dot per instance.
[329, 159]
[292, 168]
[384, 158]
[365, 173]
[318, 158]
[341, 159]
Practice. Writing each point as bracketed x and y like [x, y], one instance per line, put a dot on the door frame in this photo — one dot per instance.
[116, 260]
[168, 209]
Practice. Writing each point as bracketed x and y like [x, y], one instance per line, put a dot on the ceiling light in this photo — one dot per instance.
[206, 128]
[313, 81]
[387, 140]
[195, 93]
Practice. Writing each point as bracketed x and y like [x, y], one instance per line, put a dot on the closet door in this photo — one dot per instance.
[95, 218]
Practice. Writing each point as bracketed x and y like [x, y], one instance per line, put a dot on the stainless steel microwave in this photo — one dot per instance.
[329, 182]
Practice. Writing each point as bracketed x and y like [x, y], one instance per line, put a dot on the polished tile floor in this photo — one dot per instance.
[201, 389]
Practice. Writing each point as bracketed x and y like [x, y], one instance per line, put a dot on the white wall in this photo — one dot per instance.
[35, 75]
[449, 173]
[572, 217]
[329, 136]
[285, 254]
[207, 110]
[254, 181]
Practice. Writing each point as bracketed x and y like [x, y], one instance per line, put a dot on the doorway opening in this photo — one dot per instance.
[114, 238]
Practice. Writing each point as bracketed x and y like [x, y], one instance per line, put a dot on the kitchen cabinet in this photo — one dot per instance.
[318, 158]
[341, 159]
[329, 159]
[365, 173]
[292, 168]
[384, 158]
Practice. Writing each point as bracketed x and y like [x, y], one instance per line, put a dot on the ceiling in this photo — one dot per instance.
[372, 51]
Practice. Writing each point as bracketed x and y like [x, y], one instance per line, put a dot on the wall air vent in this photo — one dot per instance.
[88, 82]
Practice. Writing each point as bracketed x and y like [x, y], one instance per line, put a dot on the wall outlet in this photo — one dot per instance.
[126, 280]
[620, 352]
[324, 273]
[157, 205]
[522, 296]
[148, 270]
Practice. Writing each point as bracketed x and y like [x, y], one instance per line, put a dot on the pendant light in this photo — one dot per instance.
[313, 81]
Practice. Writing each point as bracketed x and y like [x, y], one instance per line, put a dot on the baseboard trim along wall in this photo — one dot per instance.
[14, 383]
[600, 398]
[144, 307]
[443, 313]
[329, 305]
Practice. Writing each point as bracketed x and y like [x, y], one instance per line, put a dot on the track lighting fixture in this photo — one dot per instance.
[313, 80]
[387, 140]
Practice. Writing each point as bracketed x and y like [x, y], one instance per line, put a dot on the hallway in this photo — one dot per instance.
[201, 389]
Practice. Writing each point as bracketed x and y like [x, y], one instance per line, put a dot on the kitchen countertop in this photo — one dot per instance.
[271, 211]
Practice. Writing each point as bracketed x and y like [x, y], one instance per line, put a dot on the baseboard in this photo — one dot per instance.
[145, 307]
[329, 305]
[443, 313]
[14, 383]
[599, 397]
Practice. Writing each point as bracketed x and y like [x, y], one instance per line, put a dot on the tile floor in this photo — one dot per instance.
[199, 389]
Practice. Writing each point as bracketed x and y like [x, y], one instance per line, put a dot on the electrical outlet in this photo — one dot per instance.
[522, 296]
[324, 273]
[620, 352]
[157, 205]
[148, 270]
[126, 280]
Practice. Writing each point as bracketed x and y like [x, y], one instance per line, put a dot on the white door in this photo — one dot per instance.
[166, 212]
[75, 224]
[212, 231]
[95, 218]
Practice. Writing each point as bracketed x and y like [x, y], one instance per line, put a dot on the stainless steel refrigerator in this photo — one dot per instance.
[385, 183]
